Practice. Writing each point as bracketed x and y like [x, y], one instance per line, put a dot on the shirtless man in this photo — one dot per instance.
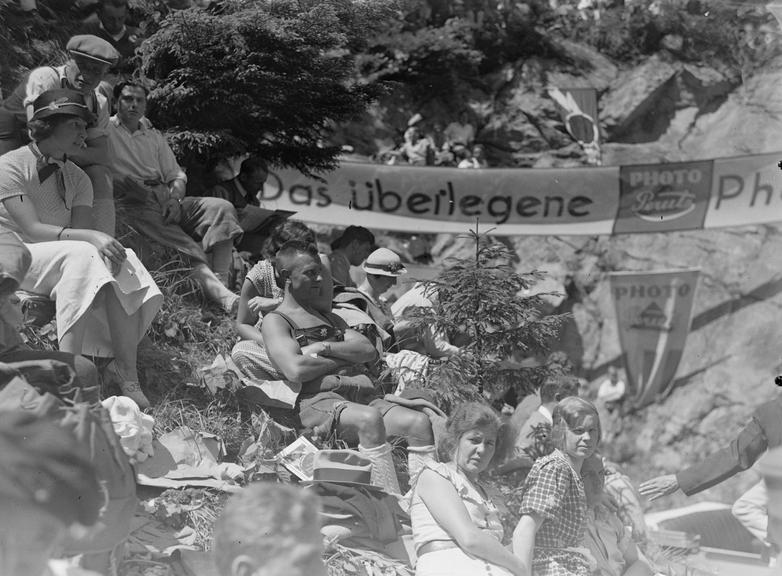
[312, 348]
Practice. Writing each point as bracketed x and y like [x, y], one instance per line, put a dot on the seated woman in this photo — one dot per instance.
[456, 527]
[606, 536]
[550, 534]
[15, 260]
[105, 299]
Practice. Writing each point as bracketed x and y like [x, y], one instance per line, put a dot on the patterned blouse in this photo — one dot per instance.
[262, 277]
[476, 499]
[555, 494]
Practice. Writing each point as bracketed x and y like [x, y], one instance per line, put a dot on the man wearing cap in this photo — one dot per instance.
[382, 268]
[48, 486]
[151, 192]
[90, 59]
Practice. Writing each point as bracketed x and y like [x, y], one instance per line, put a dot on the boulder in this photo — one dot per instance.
[631, 109]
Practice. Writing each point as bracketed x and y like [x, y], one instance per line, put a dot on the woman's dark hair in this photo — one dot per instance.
[353, 233]
[466, 417]
[286, 253]
[285, 232]
[569, 414]
[43, 128]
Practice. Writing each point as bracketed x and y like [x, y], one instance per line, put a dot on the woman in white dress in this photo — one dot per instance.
[456, 525]
[105, 299]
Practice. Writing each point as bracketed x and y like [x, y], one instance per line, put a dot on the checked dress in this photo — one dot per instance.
[554, 493]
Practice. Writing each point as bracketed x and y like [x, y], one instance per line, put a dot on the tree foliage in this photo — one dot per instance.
[480, 301]
[271, 78]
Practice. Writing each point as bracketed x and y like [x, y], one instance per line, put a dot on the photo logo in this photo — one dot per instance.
[663, 204]
[652, 318]
[663, 197]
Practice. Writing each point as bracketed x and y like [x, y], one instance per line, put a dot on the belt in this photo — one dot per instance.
[436, 546]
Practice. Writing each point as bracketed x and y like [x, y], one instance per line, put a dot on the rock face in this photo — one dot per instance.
[662, 110]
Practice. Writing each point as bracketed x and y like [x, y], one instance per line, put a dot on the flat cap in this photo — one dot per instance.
[94, 48]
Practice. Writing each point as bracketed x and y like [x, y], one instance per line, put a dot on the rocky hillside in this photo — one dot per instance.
[661, 109]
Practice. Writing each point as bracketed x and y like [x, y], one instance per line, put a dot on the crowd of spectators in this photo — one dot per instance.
[430, 144]
[78, 150]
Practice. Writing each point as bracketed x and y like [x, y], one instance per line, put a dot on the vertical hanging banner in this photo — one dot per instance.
[653, 315]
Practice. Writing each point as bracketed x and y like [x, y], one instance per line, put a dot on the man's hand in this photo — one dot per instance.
[659, 487]
[172, 211]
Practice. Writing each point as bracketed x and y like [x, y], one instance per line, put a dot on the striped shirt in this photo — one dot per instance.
[19, 177]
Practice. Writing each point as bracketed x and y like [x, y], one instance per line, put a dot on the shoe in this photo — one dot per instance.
[129, 388]
[132, 389]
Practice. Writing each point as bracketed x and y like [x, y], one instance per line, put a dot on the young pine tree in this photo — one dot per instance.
[479, 303]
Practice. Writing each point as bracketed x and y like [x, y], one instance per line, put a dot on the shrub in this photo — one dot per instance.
[481, 300]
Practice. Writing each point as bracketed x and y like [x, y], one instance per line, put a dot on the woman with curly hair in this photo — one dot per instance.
[550, 534]
[456, 526]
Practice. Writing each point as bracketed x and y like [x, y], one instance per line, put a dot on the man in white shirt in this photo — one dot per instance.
[612, 389]
[151, 192]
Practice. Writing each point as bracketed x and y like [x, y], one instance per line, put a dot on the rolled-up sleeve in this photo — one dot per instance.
[546, 492]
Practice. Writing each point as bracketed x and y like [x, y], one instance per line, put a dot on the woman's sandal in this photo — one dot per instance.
[129, 388]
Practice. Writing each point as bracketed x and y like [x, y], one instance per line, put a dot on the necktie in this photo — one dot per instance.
[45, 169]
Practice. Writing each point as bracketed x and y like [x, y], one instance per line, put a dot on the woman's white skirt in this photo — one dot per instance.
[454, 562]
[71, 273]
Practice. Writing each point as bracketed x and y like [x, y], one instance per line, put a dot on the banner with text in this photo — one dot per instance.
[653, 315]
[562, 201]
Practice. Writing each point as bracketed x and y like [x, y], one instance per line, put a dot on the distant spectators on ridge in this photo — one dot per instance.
[461, 133]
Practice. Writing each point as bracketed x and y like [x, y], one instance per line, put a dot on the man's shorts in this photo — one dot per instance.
[324, 408]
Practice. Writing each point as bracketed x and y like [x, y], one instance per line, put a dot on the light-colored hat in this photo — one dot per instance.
[94, 48]
[384, 262]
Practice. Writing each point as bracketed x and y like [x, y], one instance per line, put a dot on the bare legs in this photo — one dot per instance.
[125, 332]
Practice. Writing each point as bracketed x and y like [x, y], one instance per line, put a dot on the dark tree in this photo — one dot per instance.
[271, 78]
